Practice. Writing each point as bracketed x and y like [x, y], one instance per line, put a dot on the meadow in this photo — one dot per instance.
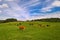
[11, 31]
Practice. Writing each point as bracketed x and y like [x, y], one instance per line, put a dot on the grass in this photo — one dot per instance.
[10, 31]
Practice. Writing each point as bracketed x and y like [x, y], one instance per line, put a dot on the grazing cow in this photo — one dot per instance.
[40, 25]
[47, 25]
[21, 27]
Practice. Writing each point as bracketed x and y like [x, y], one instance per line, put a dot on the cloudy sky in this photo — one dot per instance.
[29, 9]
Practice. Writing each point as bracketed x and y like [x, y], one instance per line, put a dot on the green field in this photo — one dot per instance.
[10, 31]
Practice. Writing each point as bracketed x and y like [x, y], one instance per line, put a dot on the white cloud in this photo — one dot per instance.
[21, 12]
[4, 17]
[0, 0]
[0, 6]
[9, 0]
[53, 15]
[0, 11]
[48, 0]
[31, 3]
[4, 6]
[56, 3]
[49, 15]
[17, 12]
[12, 14]
[46, 9]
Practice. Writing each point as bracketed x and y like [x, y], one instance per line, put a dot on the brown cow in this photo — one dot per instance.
[21, 27]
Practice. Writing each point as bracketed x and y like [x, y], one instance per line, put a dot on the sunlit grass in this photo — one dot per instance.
[10, 31]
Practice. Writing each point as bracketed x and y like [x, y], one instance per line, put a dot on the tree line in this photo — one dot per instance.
[43, 20]
[8, 20]
[48, 20]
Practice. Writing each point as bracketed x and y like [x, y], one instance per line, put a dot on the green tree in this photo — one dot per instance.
[11, 20]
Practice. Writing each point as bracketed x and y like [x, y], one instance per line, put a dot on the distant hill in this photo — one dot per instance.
[48, 20]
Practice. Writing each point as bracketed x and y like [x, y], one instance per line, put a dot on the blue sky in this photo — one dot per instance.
[29, 9]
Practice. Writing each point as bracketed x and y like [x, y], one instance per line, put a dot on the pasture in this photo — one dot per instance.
[36, 31]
